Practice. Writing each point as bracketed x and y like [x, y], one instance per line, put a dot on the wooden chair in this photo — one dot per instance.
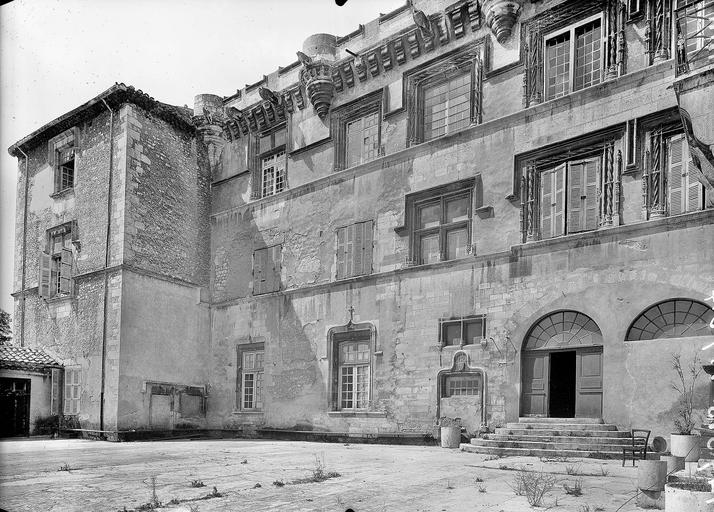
[640, 438]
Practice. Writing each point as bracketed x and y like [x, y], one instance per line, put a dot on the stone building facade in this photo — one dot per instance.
[481, 210]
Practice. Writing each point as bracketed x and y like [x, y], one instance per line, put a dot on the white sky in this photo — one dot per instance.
[58, 54]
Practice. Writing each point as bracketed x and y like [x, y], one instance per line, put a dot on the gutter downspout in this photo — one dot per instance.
[24, 251]
[106, 265]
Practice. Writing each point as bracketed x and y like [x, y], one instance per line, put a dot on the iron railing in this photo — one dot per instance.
[695, 35]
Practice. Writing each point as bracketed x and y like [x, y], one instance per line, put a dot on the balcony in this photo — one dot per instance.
[695, 35]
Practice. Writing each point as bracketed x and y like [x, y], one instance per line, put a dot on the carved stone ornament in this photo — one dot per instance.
[316, 76]
[210, 120]
[501, 16]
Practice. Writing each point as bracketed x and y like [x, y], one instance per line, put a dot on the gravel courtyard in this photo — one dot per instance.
[102, 476]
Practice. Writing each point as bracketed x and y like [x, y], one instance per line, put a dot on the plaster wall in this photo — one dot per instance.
[40, 392]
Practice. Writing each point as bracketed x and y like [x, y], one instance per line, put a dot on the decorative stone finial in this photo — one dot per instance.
[316, 75]
[209, 118]
[501, 16]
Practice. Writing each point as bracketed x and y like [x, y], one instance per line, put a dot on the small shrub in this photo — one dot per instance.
[197, 483]
[214, 493]
[174, 501]
[576, 489]
[448, 485]
[479, 479]
[256, 486]
[603, 470]
[572, 470]
[481, 488]
[278, 483]
[503, 466]
[64, 467]
[244, 461]
[492, 457]
[534, 486]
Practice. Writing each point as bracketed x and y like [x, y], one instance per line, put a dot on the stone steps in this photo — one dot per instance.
[553, 437]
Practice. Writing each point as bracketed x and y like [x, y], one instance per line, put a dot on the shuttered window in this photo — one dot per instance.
[354, 250]
[56, 266]
[56, 390]
[362, 139]
[686, 194]
[72, 391]
[568, 199]
[266, 269]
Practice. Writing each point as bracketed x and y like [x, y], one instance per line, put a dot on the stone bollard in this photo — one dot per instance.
[450, 437]
[652, 475]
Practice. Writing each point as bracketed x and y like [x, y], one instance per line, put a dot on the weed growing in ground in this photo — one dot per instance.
[603, 470]
[213, 494]
[197, 483]
[503, 466]
[587, 508]
[572, 470]
[278, 483]
[533, 485]
[174, 501]
[576, 489]
[319, 473]
[479, 479]
[64, 467]
[256, 486]
[448, 485]
[193, 508]
[492, 457]
[244, 461]
[481, 488]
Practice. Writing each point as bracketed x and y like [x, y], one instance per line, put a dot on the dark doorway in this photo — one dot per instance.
[15, 407]
[562, 385]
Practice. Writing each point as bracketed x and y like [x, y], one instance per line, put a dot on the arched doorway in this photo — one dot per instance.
[561, 367]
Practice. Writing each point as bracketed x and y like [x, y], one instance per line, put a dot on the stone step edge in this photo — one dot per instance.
[563, 439]
[551, 446]
[562, 426]
[525, 452]
[579, 421]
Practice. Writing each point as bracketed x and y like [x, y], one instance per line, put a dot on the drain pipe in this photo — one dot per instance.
[106, 265]
[24, 251]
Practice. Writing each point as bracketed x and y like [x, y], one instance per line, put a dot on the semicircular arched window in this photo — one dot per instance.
[563, 329]
[675, 318]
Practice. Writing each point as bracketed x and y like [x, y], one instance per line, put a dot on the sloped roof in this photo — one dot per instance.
[14, 357]
[119, 93]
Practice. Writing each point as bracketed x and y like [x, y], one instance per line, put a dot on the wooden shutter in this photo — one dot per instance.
[367, 228]
[591, 170]
[676, 175]
[695, 190]
[358, 249]
[45, 276]
[546, 204]
[558, 200]
[353, 142]
[66, 271]
[253, 159]
[259, 269]
[576, 198]
[275, 262]
[68, 379]
[55, 397]
[341, 239]
[349, 251]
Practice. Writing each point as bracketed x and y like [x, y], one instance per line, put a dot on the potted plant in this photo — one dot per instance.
[450, 432]
[683, 443]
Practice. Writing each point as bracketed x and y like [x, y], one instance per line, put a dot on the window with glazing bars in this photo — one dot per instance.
[72, 391]
[362, 139]
[447, 105]
[463, 331]
[65, 171]
[460, 385]
[442, 230]
[273, 177]
[354, 375]
[252, 380]
[573, 58]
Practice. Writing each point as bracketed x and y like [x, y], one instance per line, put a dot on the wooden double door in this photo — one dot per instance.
[14, 407]
[562, 383]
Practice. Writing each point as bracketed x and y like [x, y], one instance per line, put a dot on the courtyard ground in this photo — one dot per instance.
[103, 476]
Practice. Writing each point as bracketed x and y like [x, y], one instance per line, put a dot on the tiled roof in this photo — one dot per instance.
[14, 357]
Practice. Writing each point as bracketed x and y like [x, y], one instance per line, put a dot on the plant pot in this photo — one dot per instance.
[685, 446]
[674, 463]
[651, 475]
[450, 437]
[679, 498]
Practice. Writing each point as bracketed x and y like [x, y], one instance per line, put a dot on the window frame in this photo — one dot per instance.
[56, 267]
[241, 351]
[570, 29]
[687, 181]
[274, 152]
[73, 384]
[354, 367]
[65, 141]
[274, 254]
[444, 323]
[436, 81]
[337, 337]
[358, 109]
[444, 228]
[467, 376]
[367, 256]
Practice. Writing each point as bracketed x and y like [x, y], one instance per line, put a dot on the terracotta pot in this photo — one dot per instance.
[685, 445]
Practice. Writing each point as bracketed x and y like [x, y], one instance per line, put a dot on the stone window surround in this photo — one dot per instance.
[240, 350]
[255, 158]
[461, 365]
[351, 332]
[60, 230]
[469, 58]
[342, 116]
[65, 140]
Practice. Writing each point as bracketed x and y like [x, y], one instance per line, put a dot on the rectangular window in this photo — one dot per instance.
[463, 331]
[442, 227]
[273, 162]
[266, 269]
[362, 139]
[62, 158]
[447, 105]
[568, 197]
[354, 250]
[252, 380]
[696, 25]
[65, 171]
[685, 192]
[354, 360]
[56, 265]
[462, 385]
[72, 393]
[573, 58]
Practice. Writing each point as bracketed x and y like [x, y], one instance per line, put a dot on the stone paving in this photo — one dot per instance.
[107, 476]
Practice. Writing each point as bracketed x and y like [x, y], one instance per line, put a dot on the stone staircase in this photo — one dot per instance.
[553, 437]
